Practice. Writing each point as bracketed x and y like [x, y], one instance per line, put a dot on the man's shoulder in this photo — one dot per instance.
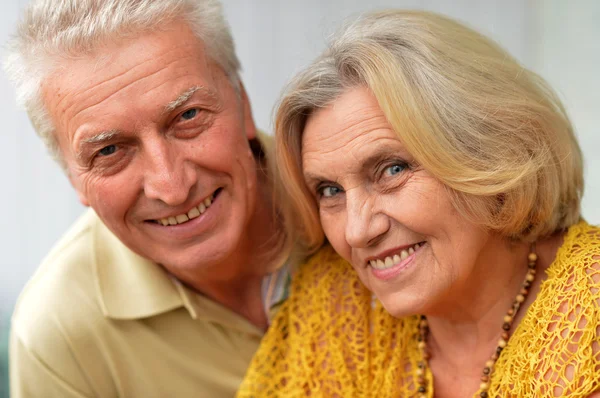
[62, 291]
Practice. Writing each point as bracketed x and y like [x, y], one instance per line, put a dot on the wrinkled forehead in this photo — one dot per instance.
[351, 119]
[347, 136]
[141, 75]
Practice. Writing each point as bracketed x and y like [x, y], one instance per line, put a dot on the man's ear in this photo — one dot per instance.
[249, 125]
[80, 194]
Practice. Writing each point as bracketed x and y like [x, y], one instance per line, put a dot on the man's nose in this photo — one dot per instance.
[365, 224]
[169, 177]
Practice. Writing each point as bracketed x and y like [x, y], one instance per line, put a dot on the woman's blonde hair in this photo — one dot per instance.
[493, 132]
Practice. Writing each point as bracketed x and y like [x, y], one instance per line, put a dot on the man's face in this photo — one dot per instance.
[153, 133]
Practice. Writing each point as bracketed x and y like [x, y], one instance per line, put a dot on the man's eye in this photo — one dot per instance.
[330, 191]
[394, 169]
[108, 150]
[190, 114]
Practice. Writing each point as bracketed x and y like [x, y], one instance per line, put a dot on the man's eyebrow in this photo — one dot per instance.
[185, 97]
[95, 140]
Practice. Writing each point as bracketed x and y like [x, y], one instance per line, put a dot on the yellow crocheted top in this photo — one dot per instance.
[330, 339]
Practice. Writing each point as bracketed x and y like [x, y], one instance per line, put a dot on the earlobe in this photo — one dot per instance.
[82, 197]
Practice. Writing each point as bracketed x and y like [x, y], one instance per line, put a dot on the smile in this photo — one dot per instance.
[393, 259]
[192, 213]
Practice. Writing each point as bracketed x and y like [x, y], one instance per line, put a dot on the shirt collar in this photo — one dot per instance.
[130, 286]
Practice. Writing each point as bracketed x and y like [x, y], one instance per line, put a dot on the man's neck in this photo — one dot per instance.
[238, 283]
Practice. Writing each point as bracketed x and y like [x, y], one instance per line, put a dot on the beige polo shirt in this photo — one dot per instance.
[97, 320]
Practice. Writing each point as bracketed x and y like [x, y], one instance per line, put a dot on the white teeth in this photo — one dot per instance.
[190, 215]
[397, 258]
[193, 213]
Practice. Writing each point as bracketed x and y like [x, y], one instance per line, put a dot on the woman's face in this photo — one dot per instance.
[382, 212]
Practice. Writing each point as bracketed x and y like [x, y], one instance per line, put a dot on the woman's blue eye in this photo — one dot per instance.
[108, 150]
[395, 169]
[329, 192]
[189, 114]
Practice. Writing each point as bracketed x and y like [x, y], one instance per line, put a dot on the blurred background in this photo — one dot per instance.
[558, 39]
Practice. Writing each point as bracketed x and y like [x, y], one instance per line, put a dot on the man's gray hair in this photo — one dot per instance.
[51, 30]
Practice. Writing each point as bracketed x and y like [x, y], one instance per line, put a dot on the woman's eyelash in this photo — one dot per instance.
[384, 166]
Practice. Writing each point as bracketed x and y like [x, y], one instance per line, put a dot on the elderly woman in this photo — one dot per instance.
[450, 178]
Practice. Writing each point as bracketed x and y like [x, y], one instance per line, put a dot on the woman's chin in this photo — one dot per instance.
[399, 305]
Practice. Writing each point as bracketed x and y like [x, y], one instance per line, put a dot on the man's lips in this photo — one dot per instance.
[194, 212]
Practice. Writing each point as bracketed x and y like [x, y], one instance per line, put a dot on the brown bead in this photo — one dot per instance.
[498, 350]
[532, 257]
[505, 336]
[489, 364]
[486, 371]
[506, 326]
[426, 355]
[421, 380]
[485, 378]
[483, 394]
[495, 356]
[508, 318]
[422, 389]
[484, 386]
[529, 278]
[421, 364]
[520, 298]
[524, 292]
[501, 343]
[510, 312]
[422, 345]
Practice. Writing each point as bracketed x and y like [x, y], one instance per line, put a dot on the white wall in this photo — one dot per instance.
[36, 200]
[568, 55]
[275, 38]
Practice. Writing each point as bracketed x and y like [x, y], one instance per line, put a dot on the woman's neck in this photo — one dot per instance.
[467, 323]
[464, 330]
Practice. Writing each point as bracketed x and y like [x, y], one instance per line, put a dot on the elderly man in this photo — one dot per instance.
[164, 288]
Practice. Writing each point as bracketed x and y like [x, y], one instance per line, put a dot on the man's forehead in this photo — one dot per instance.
[162, 70]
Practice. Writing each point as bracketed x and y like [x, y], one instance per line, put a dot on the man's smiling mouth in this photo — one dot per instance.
[194, 212]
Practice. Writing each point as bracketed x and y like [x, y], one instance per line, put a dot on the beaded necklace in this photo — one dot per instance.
[489, 365]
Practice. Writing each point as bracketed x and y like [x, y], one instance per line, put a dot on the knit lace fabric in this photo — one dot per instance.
[331, 339]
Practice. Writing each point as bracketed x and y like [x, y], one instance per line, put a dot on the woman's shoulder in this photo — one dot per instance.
[576, 268]
[581, 243]
[561, 326]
